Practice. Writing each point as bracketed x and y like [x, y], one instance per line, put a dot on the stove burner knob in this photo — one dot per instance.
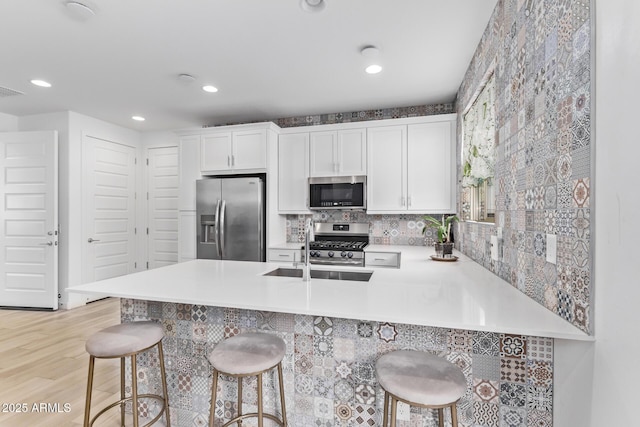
[350, 255]
[343, 254]
[330, 254]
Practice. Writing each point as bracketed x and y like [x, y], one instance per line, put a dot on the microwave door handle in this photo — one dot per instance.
[223, 209]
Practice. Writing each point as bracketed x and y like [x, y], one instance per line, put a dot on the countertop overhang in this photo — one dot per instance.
[459, 295]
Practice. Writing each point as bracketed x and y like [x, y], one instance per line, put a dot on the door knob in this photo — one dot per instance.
[91, 240]
[47, 244]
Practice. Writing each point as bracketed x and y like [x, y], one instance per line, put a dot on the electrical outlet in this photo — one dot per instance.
[552, 248]
[495, 250]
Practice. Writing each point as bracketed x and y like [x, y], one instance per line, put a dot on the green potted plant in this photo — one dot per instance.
[443, 244]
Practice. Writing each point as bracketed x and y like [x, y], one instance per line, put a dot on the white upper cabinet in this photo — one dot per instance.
[189, 171]
[430, 177]
[233, 151]
[411, 167]
[336, 153]
[387, 165]
[293, 170]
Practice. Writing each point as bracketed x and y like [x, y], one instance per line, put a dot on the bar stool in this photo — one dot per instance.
[121, 341]
[420, 379]
[245, 355]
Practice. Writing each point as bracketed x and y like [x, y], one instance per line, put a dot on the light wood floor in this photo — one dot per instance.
[43, 360]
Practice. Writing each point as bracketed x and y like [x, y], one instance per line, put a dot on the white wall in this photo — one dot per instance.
[71, 127]
[8, 123]
[617, 205]
[150, 140]
[80, 125]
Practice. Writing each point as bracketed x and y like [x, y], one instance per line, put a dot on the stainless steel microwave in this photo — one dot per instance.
[338, 192]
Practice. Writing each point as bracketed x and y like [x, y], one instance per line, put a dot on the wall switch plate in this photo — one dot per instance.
[494, 248]
[552, 248]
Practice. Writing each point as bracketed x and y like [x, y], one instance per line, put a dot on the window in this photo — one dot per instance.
[478, 156]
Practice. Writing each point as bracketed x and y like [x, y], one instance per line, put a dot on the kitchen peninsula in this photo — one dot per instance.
[335, 330]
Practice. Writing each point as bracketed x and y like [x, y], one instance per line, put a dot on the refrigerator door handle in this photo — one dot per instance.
[223, 208]
[217, 228]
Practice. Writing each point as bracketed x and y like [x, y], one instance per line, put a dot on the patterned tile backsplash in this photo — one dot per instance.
[540, 54]
[329, 368]
[383, 229]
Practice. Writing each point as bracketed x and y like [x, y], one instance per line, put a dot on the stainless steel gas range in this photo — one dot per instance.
[339, 243]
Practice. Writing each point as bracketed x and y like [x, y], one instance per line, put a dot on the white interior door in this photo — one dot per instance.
[162, 211]
[108, 209]
[29, 214]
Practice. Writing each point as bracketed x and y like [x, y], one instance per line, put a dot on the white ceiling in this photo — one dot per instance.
[269, 58]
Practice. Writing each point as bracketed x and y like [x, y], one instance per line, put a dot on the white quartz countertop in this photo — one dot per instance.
[460, 295]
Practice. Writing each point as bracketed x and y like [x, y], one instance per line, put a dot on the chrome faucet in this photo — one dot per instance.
[306, 267]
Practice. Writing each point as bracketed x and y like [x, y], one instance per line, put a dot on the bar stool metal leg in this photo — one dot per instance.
[282, 405]
[214, 393]
[239, 400]
[122, 395]
[454, 415]
[394, 411]
[87, 404]
[165, 389]
[385, 411]
[134, 391]
[260, 410]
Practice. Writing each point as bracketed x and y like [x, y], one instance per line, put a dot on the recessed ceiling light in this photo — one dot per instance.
[79, 10]
[209, 88]
[369, 51]
[186, 78]
[373, 69]
[40, 83]
[138, 118]
[312, 5]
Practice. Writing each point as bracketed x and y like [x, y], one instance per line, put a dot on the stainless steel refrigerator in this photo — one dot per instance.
[230, 218]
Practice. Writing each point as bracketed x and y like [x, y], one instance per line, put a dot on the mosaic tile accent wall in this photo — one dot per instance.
[541, 51]
[329, 370]
[367, 115]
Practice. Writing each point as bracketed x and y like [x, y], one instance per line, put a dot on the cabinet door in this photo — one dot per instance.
[293, 170]
[215, 152]
[429, 168]
[186, 235]
[249, 150]
[189, 171]
[352, 152]
[386, 164]
[322, 153]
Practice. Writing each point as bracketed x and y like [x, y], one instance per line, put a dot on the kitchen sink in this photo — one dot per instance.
[360, 276]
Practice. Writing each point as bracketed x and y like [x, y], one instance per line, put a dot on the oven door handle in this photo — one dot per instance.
[359, 262]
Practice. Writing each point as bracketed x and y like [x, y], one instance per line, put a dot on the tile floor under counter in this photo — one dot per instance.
[329, 367]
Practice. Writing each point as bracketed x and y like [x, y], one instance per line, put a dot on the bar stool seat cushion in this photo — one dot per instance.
[420, 378]
[123, 339]
[247, 353]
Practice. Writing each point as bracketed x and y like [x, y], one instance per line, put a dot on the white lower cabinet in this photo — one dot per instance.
[382, 259]
[186, 236]
[284, 255]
